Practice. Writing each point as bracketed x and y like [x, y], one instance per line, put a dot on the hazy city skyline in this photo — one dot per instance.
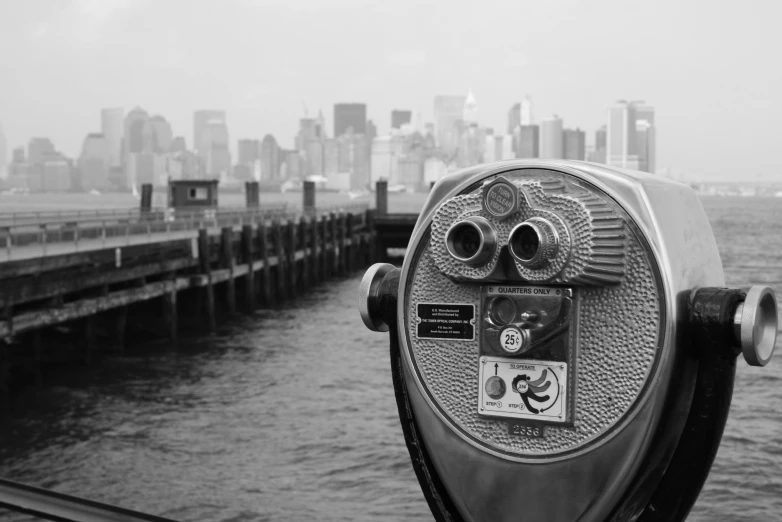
[709, 72]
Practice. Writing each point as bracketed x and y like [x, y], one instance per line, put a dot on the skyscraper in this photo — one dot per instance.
[526, 111]
[270, 159]
[514, 117]
[111, 124]
[200, 120]
[94, 161]
[157, 135]
[37, 149]
[178, 144]
[447, 111]
[646, 146]
[215, 144]
[645, 135]
[622, 136]
[574, 144]
[350, 115]
[599, 154]
[399, 118]
[527, 141]
[249, 152]
[551, 138]
[134, 130]
[470, 112]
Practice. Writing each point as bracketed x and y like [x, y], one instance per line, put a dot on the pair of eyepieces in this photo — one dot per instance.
[473, 241]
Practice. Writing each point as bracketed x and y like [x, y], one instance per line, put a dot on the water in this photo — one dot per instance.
[290, 415]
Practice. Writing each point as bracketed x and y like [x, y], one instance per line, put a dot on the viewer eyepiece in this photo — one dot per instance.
[534, 242]
[472, 241]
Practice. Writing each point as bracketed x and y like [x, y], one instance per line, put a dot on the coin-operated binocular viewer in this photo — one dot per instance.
[562, 344]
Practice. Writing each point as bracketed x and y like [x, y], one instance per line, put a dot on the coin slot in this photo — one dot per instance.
[502, 310]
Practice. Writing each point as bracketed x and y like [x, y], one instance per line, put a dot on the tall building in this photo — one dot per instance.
[320, 125]
[350, 115]
[574, 144]
[112, 128]
[94, 162]
[646, 146]
[645, 135]
[216, 149]
[135, 121]
[598, 155]
[55, 172]
[330, 157]
[470, 111]
[3, 156]
[353, 158]
[399, 118]
[18, 156]
[178, 144]
[621, 138]
[249, 152]
[271, 159]
[527, 141]
[514, 117]
[157, 135]
[526, 111]
[551, 138]
[200, 120]
[447, 111]
[37, 149]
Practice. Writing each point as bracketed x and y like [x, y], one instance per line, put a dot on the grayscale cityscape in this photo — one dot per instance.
[371, 261]
[341, 153]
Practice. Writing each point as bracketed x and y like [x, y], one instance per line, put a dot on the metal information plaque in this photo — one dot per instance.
[523, 389]
[445, 321]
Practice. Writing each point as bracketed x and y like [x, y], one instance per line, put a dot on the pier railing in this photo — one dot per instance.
[39, 234]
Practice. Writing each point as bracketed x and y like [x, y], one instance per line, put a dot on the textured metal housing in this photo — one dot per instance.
[619, 324]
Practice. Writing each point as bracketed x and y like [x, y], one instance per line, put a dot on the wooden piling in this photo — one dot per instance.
[372, 250]
[266, 279]
[290, 251]
[316, 250]
[37, 345]
[205, 266]
[119, 328]
[5, 377]
[170, 314]
[227, 261]
[248, 258]
[304, 240]
[89, 340]
[343, 254]
[324, 254]
[350, 256]
[309, 198]
[282, 264]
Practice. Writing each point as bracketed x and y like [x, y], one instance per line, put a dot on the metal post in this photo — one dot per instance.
[381, 197]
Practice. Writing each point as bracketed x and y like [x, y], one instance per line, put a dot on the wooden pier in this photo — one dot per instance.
[73, 285]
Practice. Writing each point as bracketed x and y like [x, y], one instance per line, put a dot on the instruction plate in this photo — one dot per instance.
[523, 389]
[445, 321]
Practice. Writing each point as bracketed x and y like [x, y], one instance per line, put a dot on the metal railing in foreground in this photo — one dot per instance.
[51, 505]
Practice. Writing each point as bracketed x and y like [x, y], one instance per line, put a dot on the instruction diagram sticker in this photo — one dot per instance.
[523, 389]
[445, 321]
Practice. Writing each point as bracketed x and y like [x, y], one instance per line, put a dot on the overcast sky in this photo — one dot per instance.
[712, 68]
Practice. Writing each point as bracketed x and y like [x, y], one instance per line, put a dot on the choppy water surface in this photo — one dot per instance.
[289, 415]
